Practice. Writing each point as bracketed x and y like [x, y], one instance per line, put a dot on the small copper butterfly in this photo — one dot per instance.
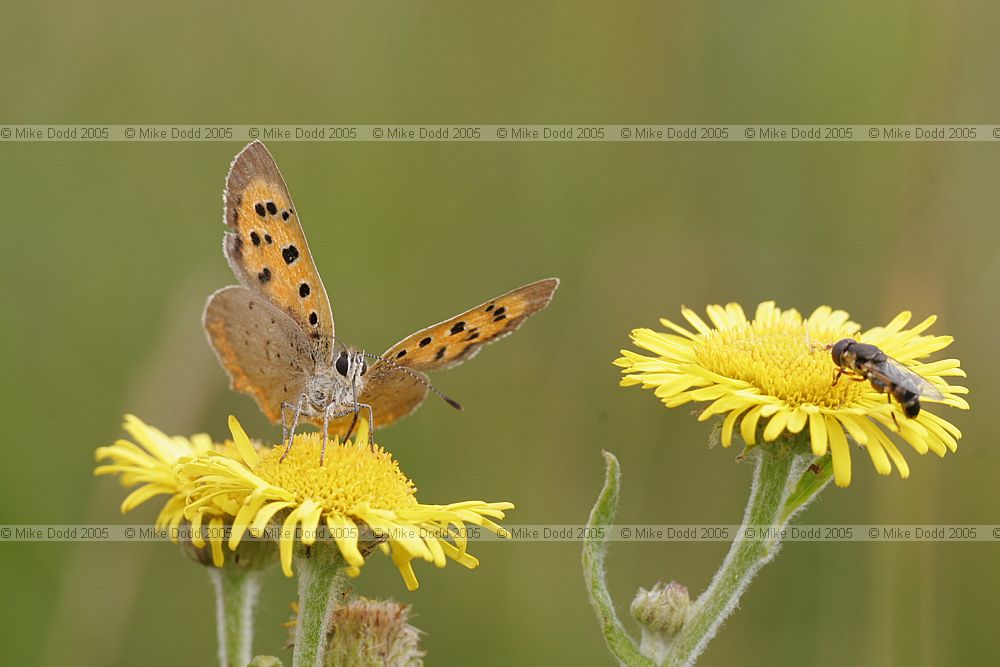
[274, 333]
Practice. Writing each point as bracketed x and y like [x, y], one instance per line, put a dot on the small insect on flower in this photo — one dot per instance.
[867, 362]
[765, 370]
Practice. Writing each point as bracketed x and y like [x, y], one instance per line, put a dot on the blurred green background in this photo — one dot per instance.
[111, 250]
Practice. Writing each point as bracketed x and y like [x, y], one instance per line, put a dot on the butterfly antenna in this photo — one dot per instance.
[450, 401]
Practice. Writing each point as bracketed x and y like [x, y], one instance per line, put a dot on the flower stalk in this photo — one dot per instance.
[787, 477]
[781, 474]
[236, 592]
[321, 580]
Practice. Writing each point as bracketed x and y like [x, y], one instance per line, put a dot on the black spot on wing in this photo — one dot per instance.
[268, 239]
[458, 328]
[260, 209]
[255, 238]
[313, 318]
[291, 253]
[425, 342]
[271, 208]
[440, 353]
[284, 215]
[304, 290]
[401, 354]
[264, 276]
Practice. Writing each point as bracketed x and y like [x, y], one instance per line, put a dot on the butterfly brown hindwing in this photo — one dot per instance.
[265, 353]
[393, 393]
[267, 248]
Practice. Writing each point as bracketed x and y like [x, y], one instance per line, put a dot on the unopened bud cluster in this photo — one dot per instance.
[663, 609]
[373, 633]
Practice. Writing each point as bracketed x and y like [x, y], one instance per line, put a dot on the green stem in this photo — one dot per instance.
[595, 548]
[320, 582]
[777, 475]
[236, 593]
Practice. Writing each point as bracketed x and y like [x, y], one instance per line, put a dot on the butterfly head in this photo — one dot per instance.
[350, 364]
[338, 384]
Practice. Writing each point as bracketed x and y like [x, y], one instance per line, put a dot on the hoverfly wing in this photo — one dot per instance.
[891, 371]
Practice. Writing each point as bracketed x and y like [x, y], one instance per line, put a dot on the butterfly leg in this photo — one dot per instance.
[295, 422]
[330, 414]
[354, 422]
[285, 407]
[371, 421]
[326, 434]
[296, 410]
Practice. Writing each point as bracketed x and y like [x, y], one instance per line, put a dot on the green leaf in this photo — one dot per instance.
[595, 548]
[812, 480]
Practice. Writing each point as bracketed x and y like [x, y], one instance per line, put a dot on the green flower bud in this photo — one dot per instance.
[663, 609]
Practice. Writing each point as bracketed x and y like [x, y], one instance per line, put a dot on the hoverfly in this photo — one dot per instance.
[867, 362]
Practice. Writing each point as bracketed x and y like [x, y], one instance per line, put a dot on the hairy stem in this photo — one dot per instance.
[236, 593]
[777, 479]
[320, 582]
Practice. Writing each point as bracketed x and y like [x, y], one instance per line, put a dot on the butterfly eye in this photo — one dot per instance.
[342, 364]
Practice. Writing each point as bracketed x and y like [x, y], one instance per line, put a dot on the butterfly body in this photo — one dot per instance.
[274, 332]
[327, 389]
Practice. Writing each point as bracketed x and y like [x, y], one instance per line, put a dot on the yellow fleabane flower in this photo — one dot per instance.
[358, 490]
[149, 464]
[774, 370]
